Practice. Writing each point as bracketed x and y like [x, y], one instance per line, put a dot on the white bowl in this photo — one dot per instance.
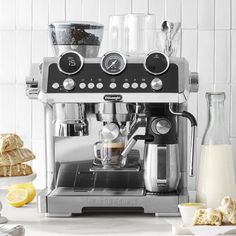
[187, 211]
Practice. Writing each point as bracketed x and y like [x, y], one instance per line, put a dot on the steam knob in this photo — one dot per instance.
[69, 84]
[163, 126]
[156, 84]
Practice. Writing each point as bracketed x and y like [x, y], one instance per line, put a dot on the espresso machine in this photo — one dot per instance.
[133, 99]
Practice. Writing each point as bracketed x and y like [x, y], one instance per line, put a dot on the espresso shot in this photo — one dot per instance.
[111, 154]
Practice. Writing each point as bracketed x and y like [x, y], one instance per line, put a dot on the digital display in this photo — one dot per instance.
[70, 63]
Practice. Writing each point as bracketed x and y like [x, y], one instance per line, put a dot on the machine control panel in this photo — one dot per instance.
[113, 73]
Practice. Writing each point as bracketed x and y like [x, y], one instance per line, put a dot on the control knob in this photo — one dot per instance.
[156, 84]
[69, 84]
[161, 126]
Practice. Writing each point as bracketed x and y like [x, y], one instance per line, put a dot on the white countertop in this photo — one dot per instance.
[93, 224]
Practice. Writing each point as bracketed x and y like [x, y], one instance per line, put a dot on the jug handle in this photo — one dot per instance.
[193, 122]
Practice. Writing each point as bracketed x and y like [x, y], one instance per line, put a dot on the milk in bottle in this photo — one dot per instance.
[216, 177]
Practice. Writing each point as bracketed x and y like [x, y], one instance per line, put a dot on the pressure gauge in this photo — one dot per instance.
[113, 63]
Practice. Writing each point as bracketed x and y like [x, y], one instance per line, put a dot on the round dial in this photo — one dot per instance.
[113, 63]
[156, 63]
[70, 63]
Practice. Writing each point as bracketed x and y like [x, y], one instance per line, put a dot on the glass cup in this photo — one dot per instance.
[116, 33]
[109, 153]
[132, 34]
[140, 33]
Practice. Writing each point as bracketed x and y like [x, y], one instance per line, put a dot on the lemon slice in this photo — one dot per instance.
[17, 197]
[27, 186]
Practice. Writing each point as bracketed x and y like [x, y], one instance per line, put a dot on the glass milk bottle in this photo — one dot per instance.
[216, 177]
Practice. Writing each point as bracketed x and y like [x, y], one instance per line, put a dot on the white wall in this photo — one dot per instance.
[208, 42]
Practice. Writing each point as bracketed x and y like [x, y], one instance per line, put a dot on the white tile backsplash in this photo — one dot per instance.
[90, 10]
[173, 10]
[189, 14]
[23, 50]
[7, 57]
[7, 14]
[189, 47]
[23, 113]
[233, 14]
[8, 108]
[106, 9]
[23, 14]
[74, 10]
[39, 45]
[222, 14]
[40, 14]
[206, 14]
[57, 10]
[157, 7]
[208, 43]
[206, 56]
[140, 6]
[222, 56]
[123, 6]
[37, 120]
[38, 164]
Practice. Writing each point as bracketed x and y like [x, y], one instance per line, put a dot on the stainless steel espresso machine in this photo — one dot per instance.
[112, 102]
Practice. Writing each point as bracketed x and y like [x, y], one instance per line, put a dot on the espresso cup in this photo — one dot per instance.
[110, 154]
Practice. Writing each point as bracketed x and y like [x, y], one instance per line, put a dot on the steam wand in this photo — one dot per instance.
[193, 121]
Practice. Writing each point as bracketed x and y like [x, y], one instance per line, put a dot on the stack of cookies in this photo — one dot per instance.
[13, 156]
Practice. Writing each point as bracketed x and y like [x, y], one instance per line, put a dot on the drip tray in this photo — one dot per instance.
[62, 191]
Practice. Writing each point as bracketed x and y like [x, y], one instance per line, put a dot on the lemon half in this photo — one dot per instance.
[17, 197]
[27, 186]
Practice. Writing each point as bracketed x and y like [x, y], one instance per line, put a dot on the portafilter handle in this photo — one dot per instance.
[193, 121]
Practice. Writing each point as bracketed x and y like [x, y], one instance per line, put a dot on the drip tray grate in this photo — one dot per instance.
[100, 168]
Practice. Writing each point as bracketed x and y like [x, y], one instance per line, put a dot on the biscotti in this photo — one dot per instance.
[15, 157]
[16, 170]
[10, 142]
[228, 209]
[207, 217]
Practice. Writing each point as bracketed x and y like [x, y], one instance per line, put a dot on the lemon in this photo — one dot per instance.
[27, 186]
[17, 197]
